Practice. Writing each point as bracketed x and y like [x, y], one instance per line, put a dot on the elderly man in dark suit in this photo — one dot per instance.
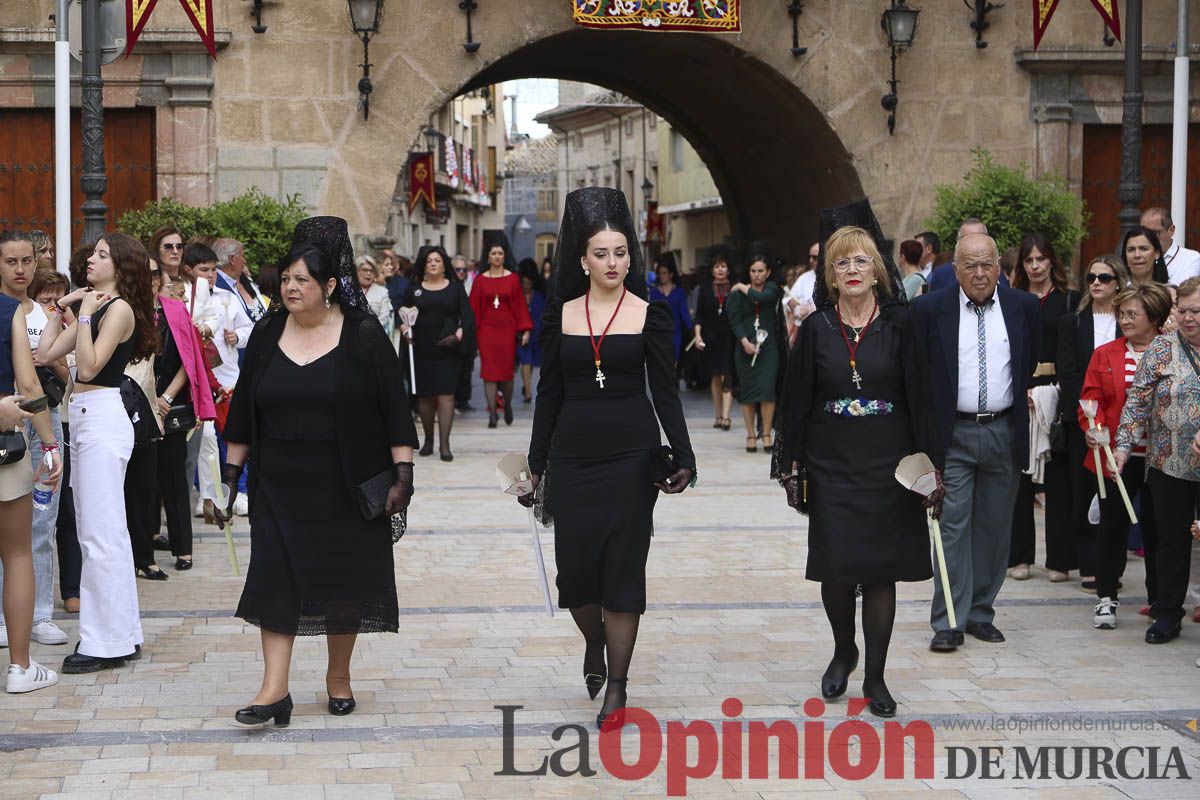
[979, 346]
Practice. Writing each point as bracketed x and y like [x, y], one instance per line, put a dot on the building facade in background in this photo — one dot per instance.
[531, 192]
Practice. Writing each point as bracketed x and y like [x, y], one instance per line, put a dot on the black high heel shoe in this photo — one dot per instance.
[493, 418]
[341, 706]
[151, 573]
[594, 681]
[508, 412]
[183, 564]
[426, 449]
[833, 683]
[280, 711]
[613, 719]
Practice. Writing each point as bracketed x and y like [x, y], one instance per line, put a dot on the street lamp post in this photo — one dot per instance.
[93, 183]
[1130, 188]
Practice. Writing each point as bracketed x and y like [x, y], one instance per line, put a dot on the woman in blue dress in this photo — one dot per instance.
[530, 355]
[666, 288]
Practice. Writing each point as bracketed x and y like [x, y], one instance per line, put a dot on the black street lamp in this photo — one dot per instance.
[365, 18]
[93, 182]
[647, 190]
[470, 45]
[899, 23]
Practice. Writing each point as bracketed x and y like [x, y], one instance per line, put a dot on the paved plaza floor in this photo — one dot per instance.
[730, 616]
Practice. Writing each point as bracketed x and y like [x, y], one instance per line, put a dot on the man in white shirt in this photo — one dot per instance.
[800, 296]
[931, 246]
[978, 345]
[1182, 263]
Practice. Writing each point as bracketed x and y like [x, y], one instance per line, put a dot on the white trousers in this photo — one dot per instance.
[209, 453]
[101, 442]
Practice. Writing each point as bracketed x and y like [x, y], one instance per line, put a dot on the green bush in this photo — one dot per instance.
[1011, 204]
[262, 224]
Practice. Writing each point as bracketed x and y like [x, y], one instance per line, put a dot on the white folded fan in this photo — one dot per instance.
[512, 472]
[408, 315]
[917, 474]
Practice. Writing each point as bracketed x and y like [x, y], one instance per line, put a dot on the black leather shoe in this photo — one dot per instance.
[426, 449]
[508, 412]
[280, 711]
[1162, 631]
[946, 641]
[879, 701]
[162, 543]
[985, 632]
[183, 564]
[837, 675]
[341, 706]
[151, 573]
[79, 664]
[492, 419]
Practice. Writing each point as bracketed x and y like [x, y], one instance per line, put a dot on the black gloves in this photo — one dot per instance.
[679, 480]
[794, 491]
[400, 494]
[230, 475]
[447, 341]
[935, 498]
[527, 499]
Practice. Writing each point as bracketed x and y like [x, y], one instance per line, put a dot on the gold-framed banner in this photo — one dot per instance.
[713, 16]
[1043, 10]
[199, 13]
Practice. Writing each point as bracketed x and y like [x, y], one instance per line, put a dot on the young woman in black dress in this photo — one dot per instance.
[714, 338]
[445, 325]
[321, 411]
[853, 410]
[595, 451]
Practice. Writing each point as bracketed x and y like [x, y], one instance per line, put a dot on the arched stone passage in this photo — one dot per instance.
[772, 155]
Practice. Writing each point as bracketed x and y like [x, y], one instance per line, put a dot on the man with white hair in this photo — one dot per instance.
[233, 276]
[1182, 263]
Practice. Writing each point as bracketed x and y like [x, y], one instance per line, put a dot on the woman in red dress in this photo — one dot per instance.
[501, 316]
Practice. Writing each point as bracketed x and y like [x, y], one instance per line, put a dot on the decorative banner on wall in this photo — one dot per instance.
[713, 16]
[1043, 10]
[420, 181]
[137, 14]
[451, 163]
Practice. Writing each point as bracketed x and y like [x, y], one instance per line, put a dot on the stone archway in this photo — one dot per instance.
[773, 157]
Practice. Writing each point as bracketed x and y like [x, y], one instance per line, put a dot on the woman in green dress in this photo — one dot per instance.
[754, 319]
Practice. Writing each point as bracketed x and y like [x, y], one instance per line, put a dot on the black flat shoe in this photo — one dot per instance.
[426, 449]
[280, 711]
[446, 455]
[946, 641]
[837, 674]
[162, 543]
[183, 564]
[985, 632]
[1162, 632]
[152, 574]
[615, 718]
[880, 702]
[493, 418]
[341, 706]
[508, 413]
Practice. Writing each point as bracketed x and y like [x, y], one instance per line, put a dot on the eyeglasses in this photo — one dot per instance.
[461, 270]
[1131, 315]
[171, 246]
[813, 256]
[1103, 277]
[844, 264]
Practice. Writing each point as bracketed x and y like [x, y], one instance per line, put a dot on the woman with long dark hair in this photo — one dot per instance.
[1143, 256]
[1040, 272]
[595, 452]
[322, 416]
[714, 338]
[854, 406]
[166, 248]
[667, 289]
[115, 326]
[445, 326]
[754, 312]
[501, 317]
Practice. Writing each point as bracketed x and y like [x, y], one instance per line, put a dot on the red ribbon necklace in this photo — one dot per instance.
[853, 348]
[721, 290]
[587, 311]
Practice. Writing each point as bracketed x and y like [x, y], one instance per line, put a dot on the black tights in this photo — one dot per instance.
[443, 404]
[617, 630]
[489, 393]
[879, 614]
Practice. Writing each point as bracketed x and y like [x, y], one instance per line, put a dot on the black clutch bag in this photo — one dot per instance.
[12, 447]
[372, 494]
[52, 386]
[662, 464]
[180, 417]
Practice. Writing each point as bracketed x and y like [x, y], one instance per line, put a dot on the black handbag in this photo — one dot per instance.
[1058, 435]
[12, 447]
[180, 417]
[141, 415]
[662, 464]
[371, 495]
[53, 386]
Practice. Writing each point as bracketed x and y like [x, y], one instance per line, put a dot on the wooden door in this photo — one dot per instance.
[1102, 177]
[27, 167]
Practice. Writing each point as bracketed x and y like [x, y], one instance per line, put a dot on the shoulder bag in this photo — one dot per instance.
[12, 447]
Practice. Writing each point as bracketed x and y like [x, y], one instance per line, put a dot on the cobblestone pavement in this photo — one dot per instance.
[731, 617]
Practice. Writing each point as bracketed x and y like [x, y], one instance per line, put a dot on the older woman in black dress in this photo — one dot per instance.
[595, 450]
[714, 337]
[445, 326]
[853, 410]
[321, 411]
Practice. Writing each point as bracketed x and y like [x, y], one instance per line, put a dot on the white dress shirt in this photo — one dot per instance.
[202, 311]
[1104, 329]
[802, 289]
[231, 316]
[999, 356]
[1182, 264]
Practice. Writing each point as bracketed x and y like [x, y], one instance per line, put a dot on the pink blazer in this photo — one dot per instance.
[187, 340]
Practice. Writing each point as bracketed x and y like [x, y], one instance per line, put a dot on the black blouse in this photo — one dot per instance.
[372, 411]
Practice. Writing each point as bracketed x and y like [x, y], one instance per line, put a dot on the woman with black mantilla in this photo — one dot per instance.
[321, 411]
[596, 431]
[853, 409]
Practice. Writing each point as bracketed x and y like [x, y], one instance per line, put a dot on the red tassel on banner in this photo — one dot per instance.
[137, 14]
[1111, 14]
[1043, 10]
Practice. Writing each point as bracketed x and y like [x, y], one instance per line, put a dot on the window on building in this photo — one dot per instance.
[607, 179]
[547, 204]
[628, 127]
[676, 151]
[544, 247]
[579, 140]
[653, 121]
[607, 134]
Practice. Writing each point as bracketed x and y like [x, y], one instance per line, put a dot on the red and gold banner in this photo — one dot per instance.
[1043, 10]
[420, 181]
[713, 16]
[200, 12]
